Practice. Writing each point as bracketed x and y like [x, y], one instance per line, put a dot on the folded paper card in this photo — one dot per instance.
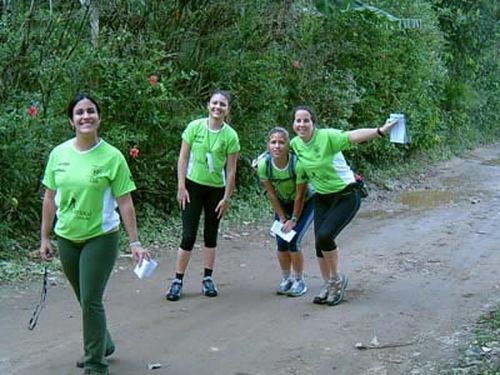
[276, 229]
[146, 268]
[398, 131]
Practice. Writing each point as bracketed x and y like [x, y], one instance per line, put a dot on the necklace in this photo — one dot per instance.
[210, 145]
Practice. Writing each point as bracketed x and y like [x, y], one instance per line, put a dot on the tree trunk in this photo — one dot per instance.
[94, 20]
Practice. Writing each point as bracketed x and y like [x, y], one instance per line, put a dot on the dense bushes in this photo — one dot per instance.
[155, 62]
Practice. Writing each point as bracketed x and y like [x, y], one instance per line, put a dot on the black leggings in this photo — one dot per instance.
[332, 212]
[206, 198]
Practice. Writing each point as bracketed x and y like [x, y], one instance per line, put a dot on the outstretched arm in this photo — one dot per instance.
[366, 134]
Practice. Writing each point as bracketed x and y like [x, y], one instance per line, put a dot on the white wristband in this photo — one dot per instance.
[135, 244]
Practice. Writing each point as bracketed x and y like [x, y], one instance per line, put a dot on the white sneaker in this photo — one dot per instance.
[321, 297]
[336, 290]
[299, 288]
[284, 286]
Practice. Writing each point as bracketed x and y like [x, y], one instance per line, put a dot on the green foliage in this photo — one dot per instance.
[384, 70]
[470, 100]
[328, 7]
[474, 359]
[154, 63]
[11, 271]
[23, 141]
[251, 207]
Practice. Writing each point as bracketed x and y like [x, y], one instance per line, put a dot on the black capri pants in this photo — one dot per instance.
[332, 212]
[206, 198]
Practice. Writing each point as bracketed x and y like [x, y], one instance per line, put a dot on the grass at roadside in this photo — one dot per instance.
[481, 356]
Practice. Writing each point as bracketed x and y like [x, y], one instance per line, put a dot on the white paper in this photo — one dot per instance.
[210, 162]
[398, 131]
[276, 229]
[146, 269]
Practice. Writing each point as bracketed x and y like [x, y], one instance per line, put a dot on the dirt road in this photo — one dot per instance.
[423, 265]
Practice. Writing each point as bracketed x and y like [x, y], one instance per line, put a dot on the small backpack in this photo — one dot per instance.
[292, 161]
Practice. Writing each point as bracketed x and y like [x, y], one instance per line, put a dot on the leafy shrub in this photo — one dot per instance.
[154, 63]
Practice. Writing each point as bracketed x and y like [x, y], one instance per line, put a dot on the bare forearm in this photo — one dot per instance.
[48, 215]
[231, 175]
[182, 164]
[229, 186]
[366, 134]
[363, 135]
[181, 173]
[298, 206]
[300, 195]
[277, 207]
[127, 212]
[275, 202]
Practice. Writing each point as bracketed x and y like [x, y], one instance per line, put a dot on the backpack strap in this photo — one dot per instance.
[269, 166]
[292, 161]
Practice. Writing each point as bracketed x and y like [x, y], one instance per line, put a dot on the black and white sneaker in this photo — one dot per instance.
[321, 297]
[174, 292]
[208, 287]
[336, 290]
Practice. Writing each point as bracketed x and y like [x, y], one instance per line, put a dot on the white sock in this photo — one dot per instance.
[299, 276]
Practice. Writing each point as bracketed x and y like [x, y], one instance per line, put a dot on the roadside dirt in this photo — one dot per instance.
[423, 265]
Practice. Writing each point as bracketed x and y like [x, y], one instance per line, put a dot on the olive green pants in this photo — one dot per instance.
[87, 266]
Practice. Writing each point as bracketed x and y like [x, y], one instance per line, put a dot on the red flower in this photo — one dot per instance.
[153, 79]
[296, 64]
[32, 111]
[134, 152]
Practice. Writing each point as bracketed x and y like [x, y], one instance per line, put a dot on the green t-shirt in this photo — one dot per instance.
[86, 185]
[322, 162]
[282, 180]
[209, 151]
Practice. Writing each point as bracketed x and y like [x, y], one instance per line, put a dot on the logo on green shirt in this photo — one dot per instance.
[95, 173]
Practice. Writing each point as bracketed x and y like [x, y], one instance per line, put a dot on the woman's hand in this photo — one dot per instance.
[288, 226]
[222, 208]
[182, 197]
[46, 251]
[386, 128]
[139, 253]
